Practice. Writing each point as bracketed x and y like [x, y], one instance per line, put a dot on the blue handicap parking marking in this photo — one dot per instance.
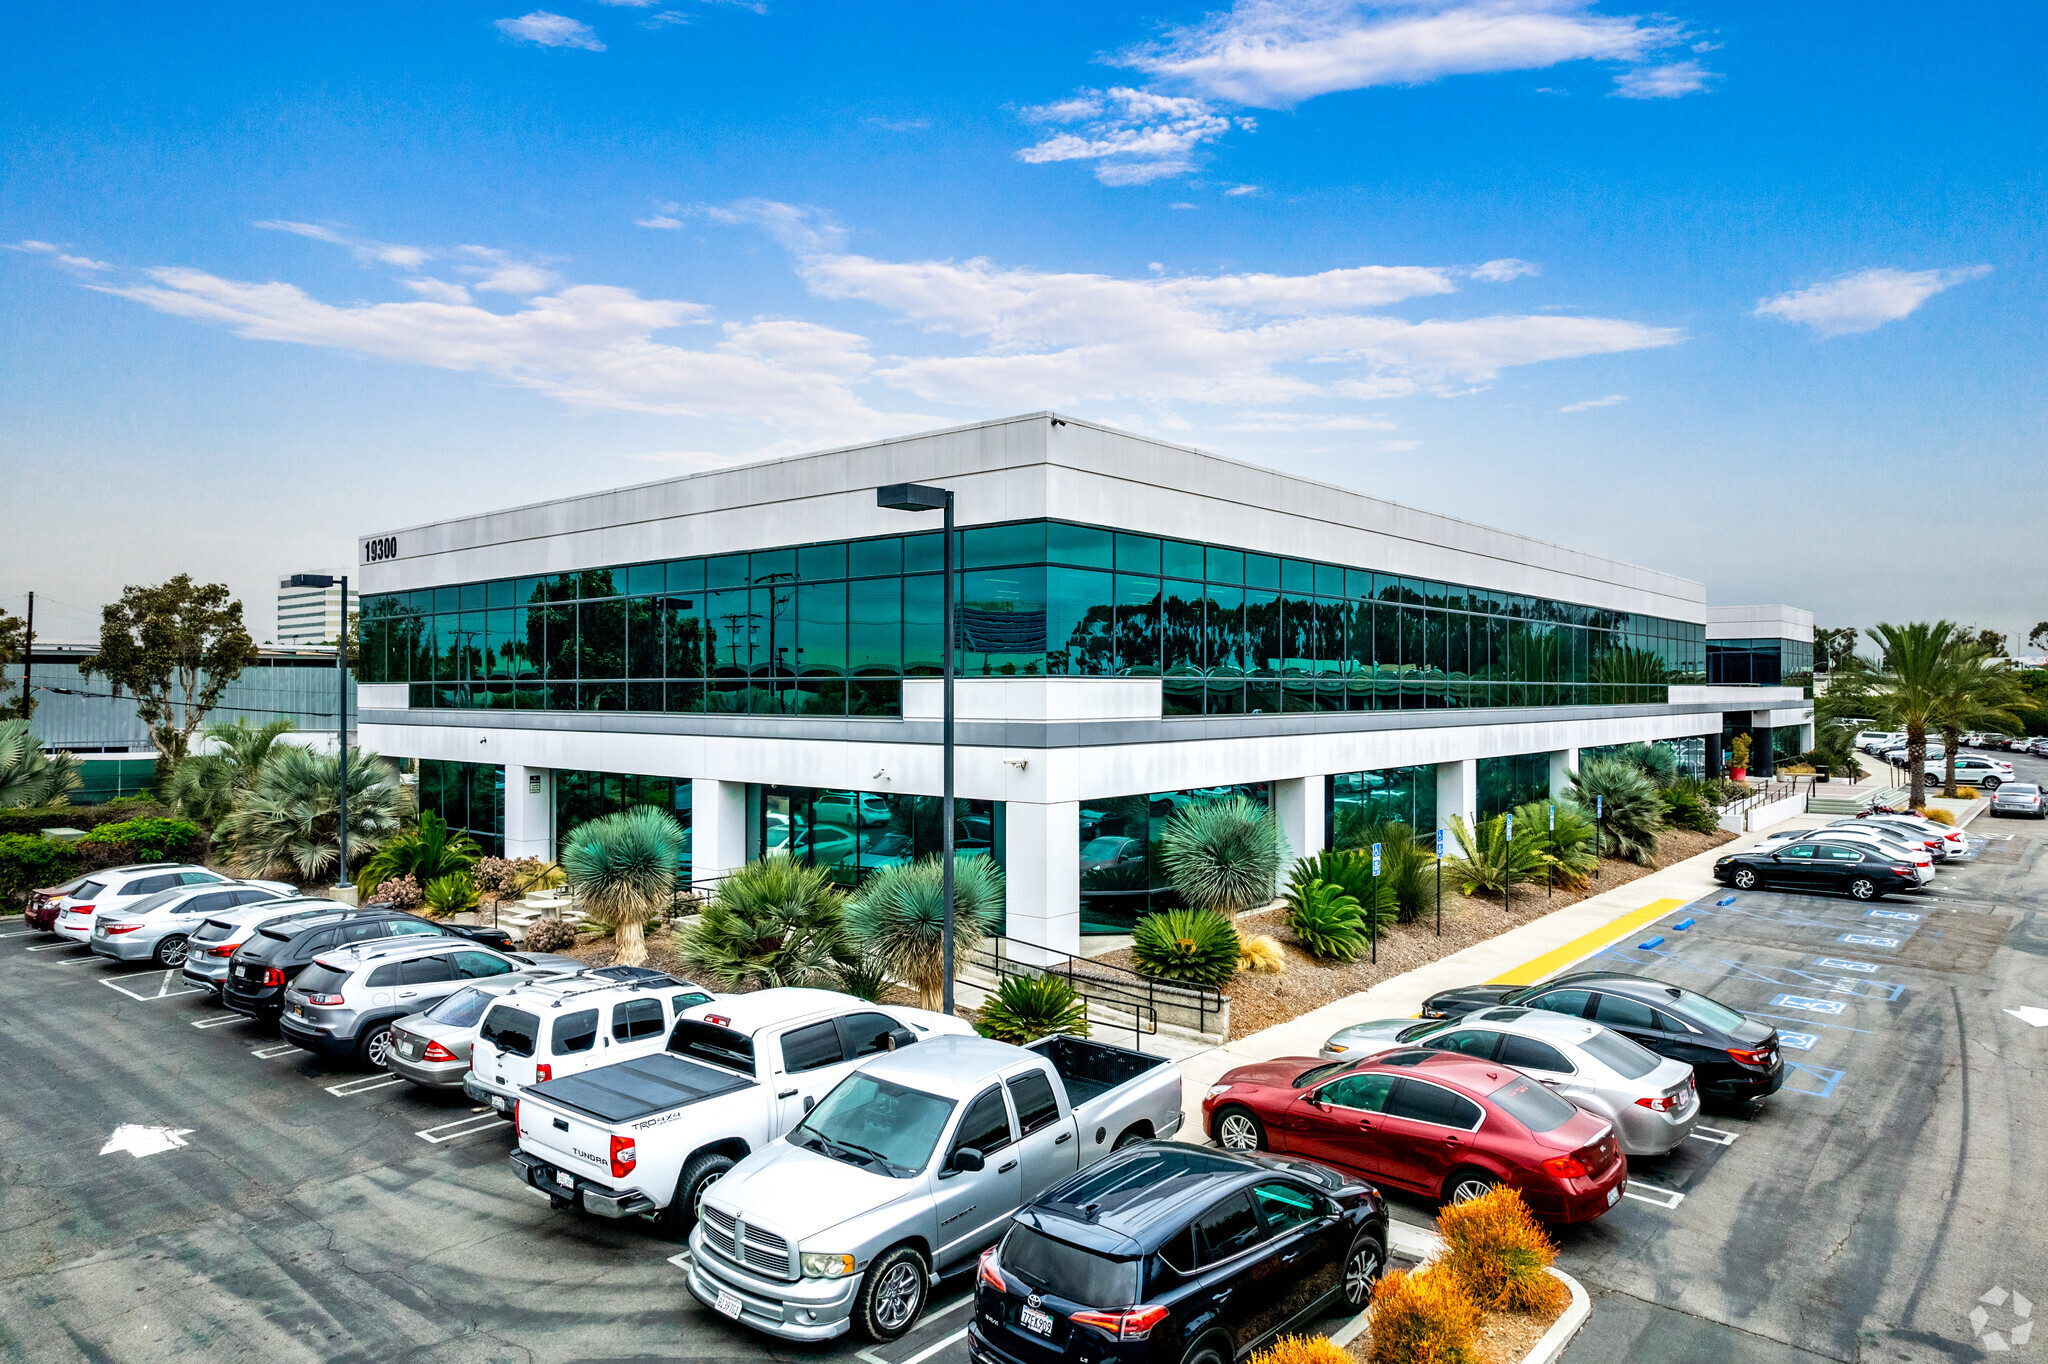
[1821, 1077]
[1837, 964]
[1865, 940]
[1798, 1041]
[1815, 1006]
[1898, 914]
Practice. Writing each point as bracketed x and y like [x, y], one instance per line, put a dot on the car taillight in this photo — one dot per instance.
[1747, 1057]
[1565, 1167]
[122, 928]
[323, 999]
[1901, 869]
[543, 1072]
[624, 1155]
[515, 1117]
[1663, 1103]
[273, 976]
[226, 949]
[990, 1273]
[436, 1052]
[1133, 1323]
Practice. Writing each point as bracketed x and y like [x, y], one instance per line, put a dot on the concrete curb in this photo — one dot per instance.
[1423, 1245]
[1565, 1327]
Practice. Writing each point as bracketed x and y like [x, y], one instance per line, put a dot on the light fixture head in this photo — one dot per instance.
[911, 497]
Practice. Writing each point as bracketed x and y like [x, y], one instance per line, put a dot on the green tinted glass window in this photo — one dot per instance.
[686, 575]
[1137, 553]
[727, 570]
[646, 579]
[1179, 559]
[1082, 546]
[923, 553]
[990, 546]
[873, 558]
[772, 566]
[816, 563]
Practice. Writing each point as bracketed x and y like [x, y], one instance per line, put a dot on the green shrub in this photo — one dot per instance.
[149, 839]
[1654, 761]
[1223, 856]
[1629, 823]
[1350, 870]
[1026, 1008]
[34, 819]
[1487, 861]
[549, 935]
[1326, 921]
[31, 862]
[1684, 810]
[1198, 946]
[1565, 834]
[454, 893]
[426, 852]
[865, 977]
[772, 922]
[899, 916]
[1405, 865]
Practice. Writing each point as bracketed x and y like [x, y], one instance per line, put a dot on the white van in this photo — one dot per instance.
[577, 1023]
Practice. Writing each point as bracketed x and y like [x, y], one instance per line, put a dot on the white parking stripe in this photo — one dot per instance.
[928, 1351]
[1662, 1198]
[218, 1020]
[265, 1053]
[461, 1127]
[868, 1355]
[163, 988]
[1714, 1135]
[364, 1085]
[53, 946]
[23, 933]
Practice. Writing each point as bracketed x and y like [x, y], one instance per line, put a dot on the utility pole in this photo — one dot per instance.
[28, 658]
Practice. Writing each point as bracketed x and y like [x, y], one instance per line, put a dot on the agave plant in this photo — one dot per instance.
[1487, 861]
[772, 922]
[1224, 855]
[427, 852]
[1630, 810]
[1026, 1008]
[1326, 921]
[1198, 946]
[622, 869]
[899, 915]
[1569, 845]
[27, 777]
[287, 822]
[205, 786]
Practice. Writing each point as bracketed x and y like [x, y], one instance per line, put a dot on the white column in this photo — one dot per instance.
[1042, 879]
[1299, 805]
[1457, 791]
[718, 828]
[1563, 762]
[529, 812]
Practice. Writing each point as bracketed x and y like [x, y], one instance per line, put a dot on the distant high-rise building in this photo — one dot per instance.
[307, 615]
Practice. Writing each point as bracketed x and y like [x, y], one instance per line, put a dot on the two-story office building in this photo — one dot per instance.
[1768, 651]
[1140, 626]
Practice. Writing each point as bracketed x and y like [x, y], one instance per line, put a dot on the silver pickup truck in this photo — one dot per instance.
[906, 1171]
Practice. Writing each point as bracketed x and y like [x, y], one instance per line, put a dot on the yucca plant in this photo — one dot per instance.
[454, 893]
[1569, 845]
[1223, 856]
[1198, 946]
[899, 915]
[772, 922]
[1326, 921]
[1631, 814]
[622, 870]
[1487, 862]
[1026, 1008]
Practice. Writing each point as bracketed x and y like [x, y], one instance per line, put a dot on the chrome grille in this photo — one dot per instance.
[755, 1247]
[719, 1230]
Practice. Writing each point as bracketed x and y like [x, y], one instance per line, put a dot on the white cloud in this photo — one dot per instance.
[1238, 191]
[659, 220]
[439, 290]
[797, 228]
[1180, 205]
[551, 30]
[1505, 269]
[362, 248]
[501, 273]
[1865, 300]
[1275, 53]
[1133, 136]
[898, 125]
[1670, 81]
[1305, 421]
[1609, 401]
[58, 254]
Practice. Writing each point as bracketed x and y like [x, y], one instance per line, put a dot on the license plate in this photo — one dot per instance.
[1614, 1195]
[728, 1304]
[298, 1012]
[1031, 1319]
[565, 1179]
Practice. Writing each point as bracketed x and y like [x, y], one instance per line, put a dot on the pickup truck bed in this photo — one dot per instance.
[1092, 1069]
[639, 1088]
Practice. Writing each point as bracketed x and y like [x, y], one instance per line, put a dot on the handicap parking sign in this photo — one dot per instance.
[1798, 1041]
[1837, 964]
[1893, 914]
[1866, 940]
[1812, 1006]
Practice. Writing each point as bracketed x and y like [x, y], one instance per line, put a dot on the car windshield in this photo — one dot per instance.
[461, 1009]
[1064, 1271]
[1618, 1053]
[876, 1123]
[1422, 1030]
[1533, 1106]
[1700, 1009]
[1315, 1073]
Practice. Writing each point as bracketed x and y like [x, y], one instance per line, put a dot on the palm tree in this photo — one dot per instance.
[1909, 685]
[622, 870]
[205, 786]
[899, 916]
[286, 822]
[772, 922]
[27, 777]
[1224, 856]
[426, 853]
[1977, 691]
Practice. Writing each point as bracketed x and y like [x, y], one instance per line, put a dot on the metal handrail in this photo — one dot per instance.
[1128, 991]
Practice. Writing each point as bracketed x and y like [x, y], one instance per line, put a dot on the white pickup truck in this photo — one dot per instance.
[646, 1136]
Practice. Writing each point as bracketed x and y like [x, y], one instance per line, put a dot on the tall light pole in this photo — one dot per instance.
[917, 497]
[340, 712]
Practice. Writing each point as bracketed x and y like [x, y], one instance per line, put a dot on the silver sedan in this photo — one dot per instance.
[2018, 798]
[156, 928]
[431, 1048]
[1364, 1039]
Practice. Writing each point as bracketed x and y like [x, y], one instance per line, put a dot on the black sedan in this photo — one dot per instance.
[1733, 1057]
[1170, 1252]
[1860, 873]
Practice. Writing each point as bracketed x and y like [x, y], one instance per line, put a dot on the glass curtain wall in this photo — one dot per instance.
[1690, 753]
[1760, 663]
[833, 629]
[584, 796]
[469, 796]
[853, 834]
[1359, 800]
[1122, 877]
[1507, 782]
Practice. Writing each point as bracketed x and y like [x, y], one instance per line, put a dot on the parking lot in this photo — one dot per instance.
[179, 1181]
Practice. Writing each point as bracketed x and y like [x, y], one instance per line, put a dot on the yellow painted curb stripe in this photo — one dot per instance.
[1557, 958]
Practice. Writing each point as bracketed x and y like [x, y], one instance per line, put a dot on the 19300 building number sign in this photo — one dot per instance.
[378, 550]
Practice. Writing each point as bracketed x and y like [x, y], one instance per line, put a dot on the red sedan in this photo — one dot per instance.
[1436, 1123]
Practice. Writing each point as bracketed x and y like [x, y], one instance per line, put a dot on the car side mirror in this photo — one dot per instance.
[900, 1038]
[967, 1159]
[1314, 1097]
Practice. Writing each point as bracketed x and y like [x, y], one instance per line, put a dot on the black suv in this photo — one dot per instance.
[273, 957]
[1166, 1251]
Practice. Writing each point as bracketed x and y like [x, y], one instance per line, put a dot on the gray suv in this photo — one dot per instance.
[345, 1002]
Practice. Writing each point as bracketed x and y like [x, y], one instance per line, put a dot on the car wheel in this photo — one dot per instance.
[1362, 1268]
[1931, 779]
[1989, 783]
[1238, 1130]
[1465, 1185]
[170, 953]
[892, 1295]
[1745, 879]
[1205, 1352]
[374, 1050]
[682, 1212]
[1863, 888]
[1131, 1137]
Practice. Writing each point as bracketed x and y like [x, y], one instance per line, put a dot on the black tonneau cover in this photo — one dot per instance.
[639, 1088]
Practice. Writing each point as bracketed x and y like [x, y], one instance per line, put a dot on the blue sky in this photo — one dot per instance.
[1752, 294]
